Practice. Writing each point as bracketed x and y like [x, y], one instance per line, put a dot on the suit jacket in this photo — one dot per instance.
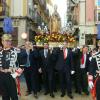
[33, 58]
[48, 62]
[64, 64]
[76, 59]
[87, 61]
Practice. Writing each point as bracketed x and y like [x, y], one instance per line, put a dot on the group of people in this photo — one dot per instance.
[58, 66]
[48, 68]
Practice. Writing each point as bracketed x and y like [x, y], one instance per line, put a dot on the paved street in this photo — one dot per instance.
[42, 97]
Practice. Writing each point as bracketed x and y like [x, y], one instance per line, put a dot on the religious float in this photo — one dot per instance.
[55, 38]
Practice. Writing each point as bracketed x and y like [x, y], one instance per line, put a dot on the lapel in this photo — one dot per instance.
[86, 58]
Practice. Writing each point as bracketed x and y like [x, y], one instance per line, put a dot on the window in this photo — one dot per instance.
[89, 39]
[99, 16]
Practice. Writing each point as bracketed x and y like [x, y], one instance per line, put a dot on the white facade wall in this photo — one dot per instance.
[84, 26]
[21, 29]
[82, 21]
[82, 15]
[16, 7]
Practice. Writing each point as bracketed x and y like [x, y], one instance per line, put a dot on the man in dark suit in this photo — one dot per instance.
[30, 55]
[84, 65]
[64, 66]
[76, 76]
[47, 66]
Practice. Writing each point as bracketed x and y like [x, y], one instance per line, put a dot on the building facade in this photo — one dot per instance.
[87, 24]
[26, 15]
[83, 21]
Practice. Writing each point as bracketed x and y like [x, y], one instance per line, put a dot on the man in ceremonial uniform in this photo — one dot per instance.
[8, 69]
[94, 76]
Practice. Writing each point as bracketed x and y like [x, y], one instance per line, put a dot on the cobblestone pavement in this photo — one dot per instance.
[42, 97]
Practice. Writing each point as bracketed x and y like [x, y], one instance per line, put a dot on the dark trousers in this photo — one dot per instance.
[65, 81]
[98, 89]
[76, 80]
[8, 87]
[31, 77]
[83, 80]
[27, 75]
[48, 81]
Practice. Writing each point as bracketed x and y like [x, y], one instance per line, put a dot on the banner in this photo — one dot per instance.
[7, 25]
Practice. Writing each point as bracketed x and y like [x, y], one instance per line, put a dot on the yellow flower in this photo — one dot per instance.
[38, 40]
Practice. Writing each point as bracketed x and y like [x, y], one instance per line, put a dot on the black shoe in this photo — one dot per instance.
[87, 93]
[28, 93]
[63, 94]
[55, 90]
[76, 91]
[70, 96]
[46, 93]
[35, 95]
[79, 92]
[52, 95]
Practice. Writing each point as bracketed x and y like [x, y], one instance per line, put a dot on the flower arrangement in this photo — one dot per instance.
[54, 38]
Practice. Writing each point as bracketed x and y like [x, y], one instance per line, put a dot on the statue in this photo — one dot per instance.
[55, 21]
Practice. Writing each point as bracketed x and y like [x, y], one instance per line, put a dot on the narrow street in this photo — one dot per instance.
[41, 95]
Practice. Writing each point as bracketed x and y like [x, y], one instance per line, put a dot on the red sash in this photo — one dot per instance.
[18, 86]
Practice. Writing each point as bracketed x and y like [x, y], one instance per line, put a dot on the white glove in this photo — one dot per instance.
[73, 49]
[72, 72]
[40, 70]
[17, 73]
[90, 58]
[91, 84]
[14, 75]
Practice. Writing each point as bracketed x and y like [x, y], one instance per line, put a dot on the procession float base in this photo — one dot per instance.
[55, 40]
[56, 44]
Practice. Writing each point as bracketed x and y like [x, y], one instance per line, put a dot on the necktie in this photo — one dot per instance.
[82, 60]
[65, 55]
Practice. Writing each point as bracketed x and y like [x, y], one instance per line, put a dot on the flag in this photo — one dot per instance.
[7, 25]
